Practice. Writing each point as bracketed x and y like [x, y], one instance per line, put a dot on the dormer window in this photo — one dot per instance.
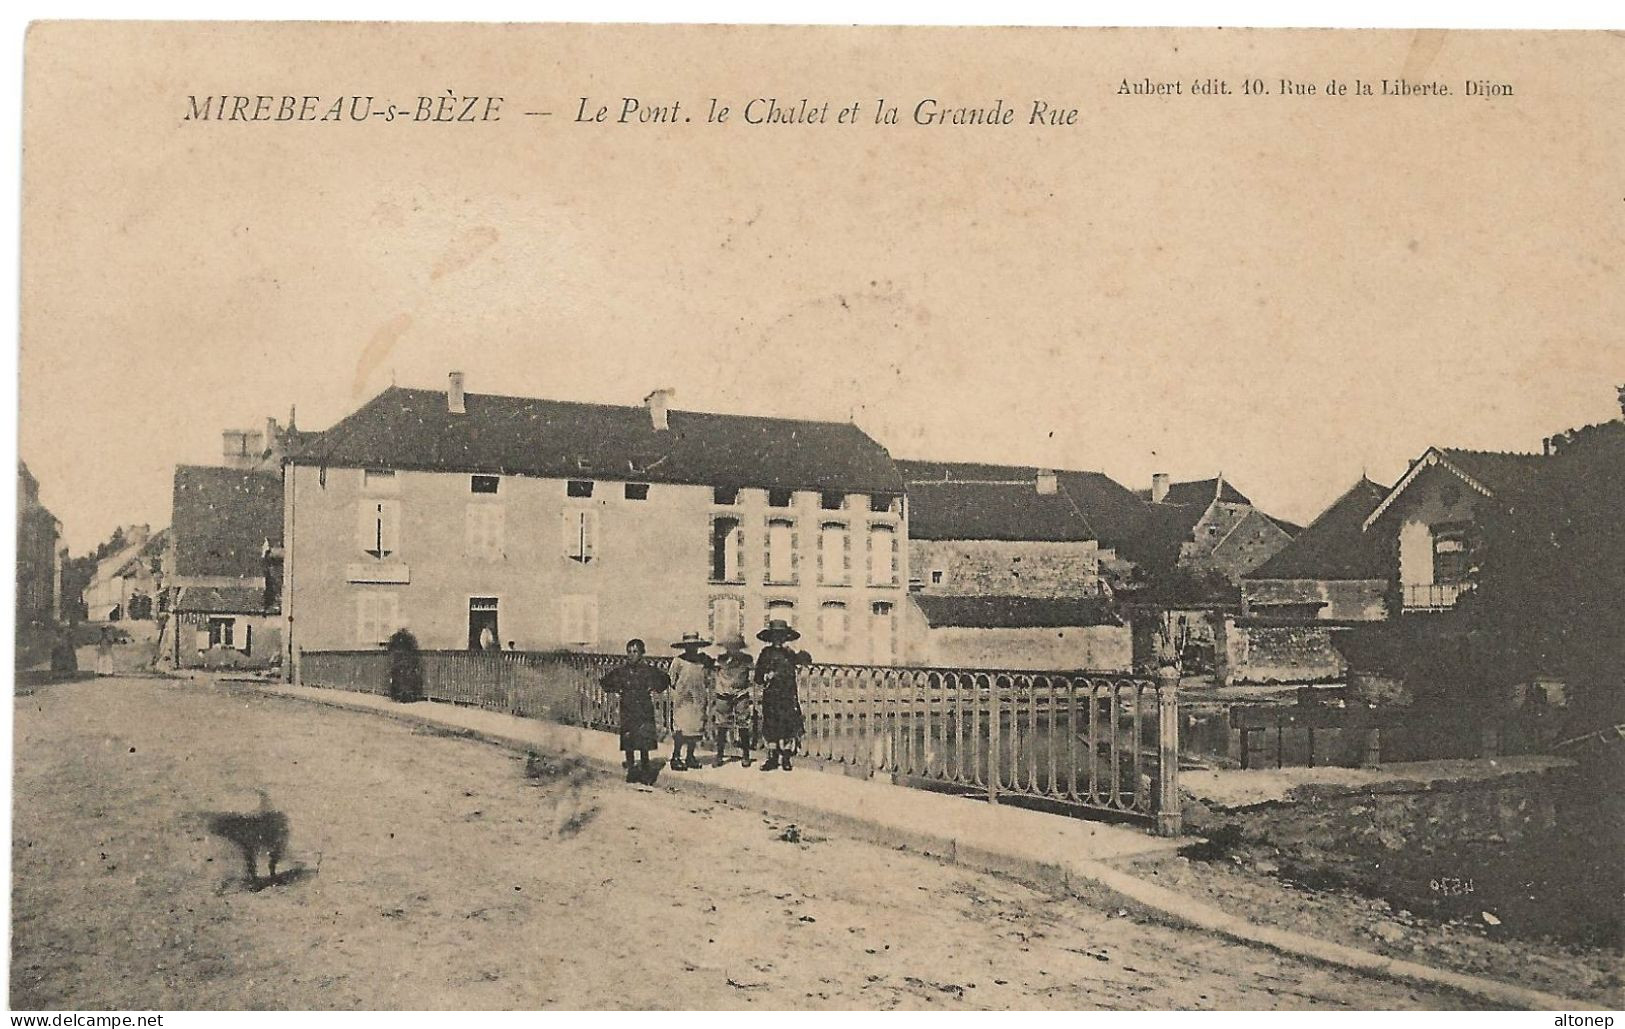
[578, 488]
[725, 495]
[483, 483]
[637, 491]
[379, 480]
[780, 497]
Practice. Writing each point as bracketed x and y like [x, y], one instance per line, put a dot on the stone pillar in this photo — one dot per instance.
[1168, 804]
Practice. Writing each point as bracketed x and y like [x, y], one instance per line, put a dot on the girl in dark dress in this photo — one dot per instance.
[782, 724]
[637, 682]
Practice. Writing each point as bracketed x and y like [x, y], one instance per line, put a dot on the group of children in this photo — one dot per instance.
[730, 696]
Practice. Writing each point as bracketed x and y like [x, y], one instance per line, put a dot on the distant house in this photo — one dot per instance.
[226, 532]
[130, 583]
[1332, 574]
[39, 556]
[1013, 565]
[1333, 570]
[1214, 527]
[561, 525]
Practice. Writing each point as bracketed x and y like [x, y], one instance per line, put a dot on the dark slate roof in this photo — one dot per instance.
[1014, 612]
[957, 499]
[1334, 546]
[225, 600]
[222, 519]
[1200, 492]
[411, 429]
[992, 511]
[1499, 471]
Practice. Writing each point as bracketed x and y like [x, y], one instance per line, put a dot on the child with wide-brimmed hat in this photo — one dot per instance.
[691, 689]
[733, 708]
[782, 724]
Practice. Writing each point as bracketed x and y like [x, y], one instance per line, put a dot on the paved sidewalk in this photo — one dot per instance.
[1025, 844]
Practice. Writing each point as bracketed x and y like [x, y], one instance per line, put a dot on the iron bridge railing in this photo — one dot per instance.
[1094, 742]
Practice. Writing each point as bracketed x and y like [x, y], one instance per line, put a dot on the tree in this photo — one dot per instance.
[1549, 589]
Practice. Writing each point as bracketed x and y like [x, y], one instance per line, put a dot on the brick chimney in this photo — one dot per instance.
[1159, 487]
[456, 402]
[659, 402]
[1047, 484]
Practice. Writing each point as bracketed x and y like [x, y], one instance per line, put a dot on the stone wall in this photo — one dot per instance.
[1343, 600]
[1254, 652]
[1105, 648]
[1011, 568]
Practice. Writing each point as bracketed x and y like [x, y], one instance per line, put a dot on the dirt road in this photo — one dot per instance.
[425, 871]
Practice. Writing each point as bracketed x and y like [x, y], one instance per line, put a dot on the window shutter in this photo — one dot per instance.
[389, 616]
[363, 609]
[570, 523]
[389, 513]
[366, 527]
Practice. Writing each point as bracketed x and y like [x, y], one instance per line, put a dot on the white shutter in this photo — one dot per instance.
[780, 551]
[366, 526]
[882, 555]
[364, 625]
[589, 534]
[570, 534]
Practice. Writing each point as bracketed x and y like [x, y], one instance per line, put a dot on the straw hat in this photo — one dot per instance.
[691, 639]
[778, 631]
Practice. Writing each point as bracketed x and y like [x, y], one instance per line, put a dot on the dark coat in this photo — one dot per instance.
[637, 684]
[781, 705]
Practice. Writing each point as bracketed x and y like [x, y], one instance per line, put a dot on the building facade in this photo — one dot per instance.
[469, 519]
[224, 585]
[39, 556]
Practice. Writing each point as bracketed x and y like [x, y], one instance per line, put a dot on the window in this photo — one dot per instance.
[484, 633]
[379, 480]
[727, 617]
[832, 623]
[882, 504]
[578, 488]
[780, 497]
[222, 632]
[831, 500]
[376, 617]
[882, 555]
[378, 527]
[483, 483]
[782, 609]
[1451, 554]
[882, 633]
[781, 551]
[580, 529]
[834, 554]
[727, 550]
[578, 619]
[936, 577]
[637, 491]
[483, 532]
[728, 495]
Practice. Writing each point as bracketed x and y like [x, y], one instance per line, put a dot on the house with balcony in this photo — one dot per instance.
[547, 524]
[1434, 517]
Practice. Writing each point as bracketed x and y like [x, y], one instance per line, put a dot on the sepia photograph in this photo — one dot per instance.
[661, 517]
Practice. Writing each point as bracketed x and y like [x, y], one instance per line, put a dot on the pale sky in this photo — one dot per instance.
[1287, 290]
